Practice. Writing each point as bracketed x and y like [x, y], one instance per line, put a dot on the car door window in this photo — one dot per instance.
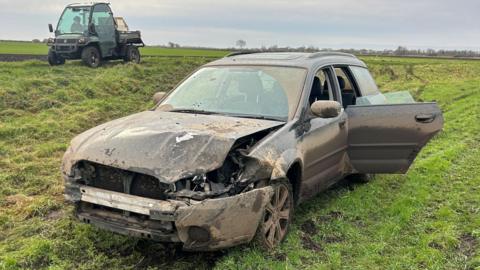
[364, 81]
[321, 87]
[105, 27]
[371, 95]
[103, 19]
[348, 91]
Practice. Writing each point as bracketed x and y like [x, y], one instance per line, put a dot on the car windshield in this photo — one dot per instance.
[243, 91]
[74, 20]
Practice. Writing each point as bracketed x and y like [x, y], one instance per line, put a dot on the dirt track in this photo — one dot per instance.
[21, 57]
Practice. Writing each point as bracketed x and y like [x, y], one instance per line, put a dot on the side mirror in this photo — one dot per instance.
[326, 108]
[50, 27]
[158, 96]
[91, 28]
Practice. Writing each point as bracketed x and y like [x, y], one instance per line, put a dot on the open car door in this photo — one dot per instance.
[386, 138]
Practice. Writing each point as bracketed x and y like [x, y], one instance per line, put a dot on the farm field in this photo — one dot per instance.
[426, 219]
[17, 47]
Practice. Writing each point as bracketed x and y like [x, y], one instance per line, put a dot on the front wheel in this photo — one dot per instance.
[277, 217]
[54, 59]
[132, 54]
[91, 56]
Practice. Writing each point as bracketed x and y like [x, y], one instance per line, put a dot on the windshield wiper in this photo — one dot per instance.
[262, 117]
[194, 111]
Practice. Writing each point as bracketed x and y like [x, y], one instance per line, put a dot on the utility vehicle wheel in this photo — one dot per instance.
[276, 219]
[91, 56]
[360, 178]
[132, 54]
[54, 59]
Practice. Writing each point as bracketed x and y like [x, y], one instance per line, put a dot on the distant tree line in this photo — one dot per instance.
[400, 51]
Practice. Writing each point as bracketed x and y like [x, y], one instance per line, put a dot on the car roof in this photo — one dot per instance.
[88, 4]
[293, 59]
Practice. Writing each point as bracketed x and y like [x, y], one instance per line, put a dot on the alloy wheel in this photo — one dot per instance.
[277, 216]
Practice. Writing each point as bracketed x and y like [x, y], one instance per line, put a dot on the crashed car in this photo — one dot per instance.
[226, 156]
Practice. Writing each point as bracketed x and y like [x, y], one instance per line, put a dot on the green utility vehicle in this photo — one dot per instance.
[91, 33]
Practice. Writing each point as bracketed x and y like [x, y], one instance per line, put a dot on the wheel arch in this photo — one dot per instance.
[294, 176]
[95, 44]
[289, 165]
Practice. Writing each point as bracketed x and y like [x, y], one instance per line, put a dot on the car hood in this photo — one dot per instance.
[166, 145]
[69, 36]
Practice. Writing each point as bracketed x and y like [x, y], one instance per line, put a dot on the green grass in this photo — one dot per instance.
[426, 219]
[17, 47]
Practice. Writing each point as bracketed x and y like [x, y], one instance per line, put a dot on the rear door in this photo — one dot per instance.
[383, 137]
[387, 138]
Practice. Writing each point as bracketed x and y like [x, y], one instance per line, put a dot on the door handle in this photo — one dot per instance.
[425, 117]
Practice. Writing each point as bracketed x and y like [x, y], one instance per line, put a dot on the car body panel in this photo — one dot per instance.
[166, 145]
[229, 221]
[324, 146]
[387, 138]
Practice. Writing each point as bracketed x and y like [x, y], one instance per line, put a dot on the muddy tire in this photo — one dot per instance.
[132, 54]
[361, 178]
[91, 57]
[54, 59]
[277, 216]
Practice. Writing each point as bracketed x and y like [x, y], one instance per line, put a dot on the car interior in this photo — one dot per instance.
[248, 91]
[320, 88]
[347, 87]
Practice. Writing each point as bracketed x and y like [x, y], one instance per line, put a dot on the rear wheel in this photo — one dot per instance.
[54, 59]
[91, 57]
[277, 217]
[132, 54]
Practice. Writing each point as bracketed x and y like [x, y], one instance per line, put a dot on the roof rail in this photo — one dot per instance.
[241, 53]
[320, 54]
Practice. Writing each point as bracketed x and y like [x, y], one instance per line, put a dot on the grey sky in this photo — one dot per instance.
[375, 24]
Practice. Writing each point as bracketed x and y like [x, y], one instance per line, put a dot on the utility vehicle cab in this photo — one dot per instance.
[90, 32]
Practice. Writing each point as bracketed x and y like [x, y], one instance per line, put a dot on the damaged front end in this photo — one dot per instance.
[238, 174]
[204, 211]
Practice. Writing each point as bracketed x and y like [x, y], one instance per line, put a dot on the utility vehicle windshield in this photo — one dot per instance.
[248, 91]
[74, 20]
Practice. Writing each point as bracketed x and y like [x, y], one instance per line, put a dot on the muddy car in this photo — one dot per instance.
[226, 156]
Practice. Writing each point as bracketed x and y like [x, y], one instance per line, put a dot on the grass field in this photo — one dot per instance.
[16, 47]
[426, 219]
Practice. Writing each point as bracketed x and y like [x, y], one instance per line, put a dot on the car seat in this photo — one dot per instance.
[348, 97]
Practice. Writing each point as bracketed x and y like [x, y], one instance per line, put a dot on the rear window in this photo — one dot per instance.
[365, 81]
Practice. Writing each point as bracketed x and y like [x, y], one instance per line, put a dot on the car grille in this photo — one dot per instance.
[63, 48]
[117, 180]
[66, 41]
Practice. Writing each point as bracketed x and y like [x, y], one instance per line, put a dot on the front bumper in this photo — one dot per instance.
[226, 221]
[67, 50]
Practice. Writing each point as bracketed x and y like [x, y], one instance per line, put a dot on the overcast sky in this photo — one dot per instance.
[374, 24]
